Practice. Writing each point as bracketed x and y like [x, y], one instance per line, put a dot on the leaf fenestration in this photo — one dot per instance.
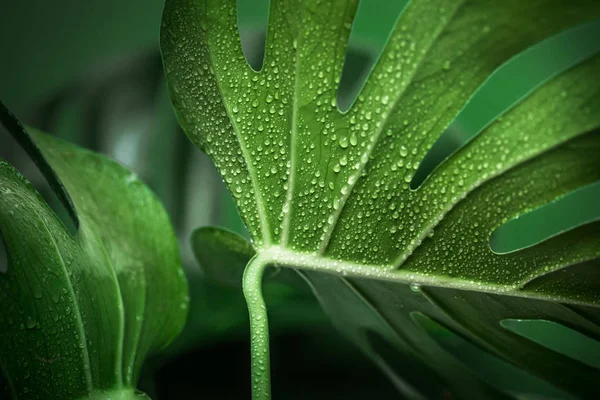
[328, 192]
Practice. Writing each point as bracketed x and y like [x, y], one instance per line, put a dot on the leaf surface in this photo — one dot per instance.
[81, 313]
[328, 192]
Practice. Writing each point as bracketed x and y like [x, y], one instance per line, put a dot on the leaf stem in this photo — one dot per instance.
[259, 328]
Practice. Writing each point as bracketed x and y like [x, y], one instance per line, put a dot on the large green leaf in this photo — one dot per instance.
[328, 192]
[81, 313]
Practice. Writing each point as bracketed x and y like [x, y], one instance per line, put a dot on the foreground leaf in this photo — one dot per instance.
[80, 314]
[328, 193]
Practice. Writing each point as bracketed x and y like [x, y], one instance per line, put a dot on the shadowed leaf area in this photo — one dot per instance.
[328, 193]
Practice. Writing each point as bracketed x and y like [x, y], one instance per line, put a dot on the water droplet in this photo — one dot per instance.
[344, 142]
[415, 287]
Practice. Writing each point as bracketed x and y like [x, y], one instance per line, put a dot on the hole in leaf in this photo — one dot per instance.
[575, 209]
[486, 366]
[3, 256]
[510, 84]
[253, 19]
[357, 64]
[558, 338]
[14, 153]
[578, 281]
[371, 29]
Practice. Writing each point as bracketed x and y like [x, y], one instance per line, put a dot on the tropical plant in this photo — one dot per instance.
[82, 310]
[331, 193]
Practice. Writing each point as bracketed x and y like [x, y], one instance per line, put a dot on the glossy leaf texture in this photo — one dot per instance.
[81, 313]
[328, 192]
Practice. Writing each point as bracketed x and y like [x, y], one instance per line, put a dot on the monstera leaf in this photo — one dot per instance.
[80, 312]
[330, 193]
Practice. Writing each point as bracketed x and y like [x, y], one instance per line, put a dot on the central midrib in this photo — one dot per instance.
[283, 257]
